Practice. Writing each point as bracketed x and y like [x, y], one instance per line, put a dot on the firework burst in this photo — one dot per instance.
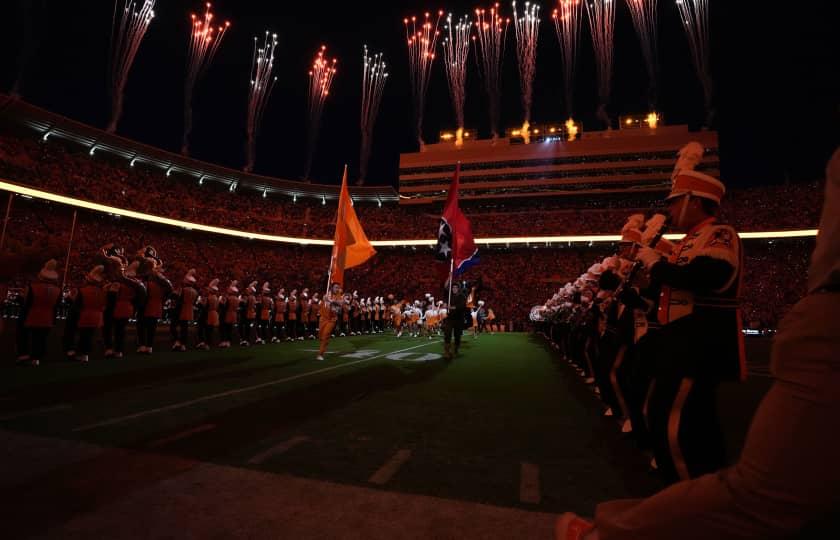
[320, 79]
[203, 44]
[128, 28]
[527, 29]
[261, 85]
[601, 16]
[567, 19]
[694, 15]
[374, 76]
[421, 40]
[456, 49]
[491, 34]
[644, 21]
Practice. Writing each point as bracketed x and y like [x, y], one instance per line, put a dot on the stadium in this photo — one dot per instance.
[476, 331]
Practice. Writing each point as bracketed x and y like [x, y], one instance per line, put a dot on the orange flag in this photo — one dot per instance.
[351, 247]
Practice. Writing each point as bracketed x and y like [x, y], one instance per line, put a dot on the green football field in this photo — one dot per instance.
[506, 423]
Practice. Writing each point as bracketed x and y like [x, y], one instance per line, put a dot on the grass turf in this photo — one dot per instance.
[469, 424]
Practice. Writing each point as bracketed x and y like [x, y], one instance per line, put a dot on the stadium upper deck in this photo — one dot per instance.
[619, 161]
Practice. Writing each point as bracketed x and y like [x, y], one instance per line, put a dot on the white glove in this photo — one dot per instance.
[648, 256]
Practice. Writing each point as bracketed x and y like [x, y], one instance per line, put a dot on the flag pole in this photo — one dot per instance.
[69, 247]
[337, 210]
[452, 257]
[6, 221]
[329, 272]
[451, 268]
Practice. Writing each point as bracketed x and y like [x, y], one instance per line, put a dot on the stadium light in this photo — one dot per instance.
[168, 171]
[132, 162]
[201, 179]
[506, 240]
[92, 150]
[46, 135]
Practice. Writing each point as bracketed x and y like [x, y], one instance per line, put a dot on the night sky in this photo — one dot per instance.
[776, 100]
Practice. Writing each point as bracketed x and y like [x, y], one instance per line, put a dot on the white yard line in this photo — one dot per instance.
[390, 468]
[12, 416]
[529, 483]
[281, 448]
[183, 435]
[235, 391]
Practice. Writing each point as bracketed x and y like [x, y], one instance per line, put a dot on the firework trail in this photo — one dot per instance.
[491, 34]
[374, 76]
[128, 28]
[203, 45]
[456, 50]
[261, 85]
[694, 15]
[527, 31]
[601, 15]
[644, 21]
[421, 40]
[567, 19]
[320, 79]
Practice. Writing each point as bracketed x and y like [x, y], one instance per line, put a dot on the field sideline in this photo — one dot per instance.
[506, 424]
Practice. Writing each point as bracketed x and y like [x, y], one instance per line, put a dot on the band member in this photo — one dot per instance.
[353, 314]
[248, 315]
[314, 315]
[280, 308]
[700, 343]
[185, 310]
[114, 261]
[230, 307]
[158, 288]
[38, 315]
[266, 304]
[71, 323]
[374, 314]
[292, 317]
[344, 327]
[303, 325]
[131, 294]
[208, 320]
[364, 316]
[331, 306]
[90, 304]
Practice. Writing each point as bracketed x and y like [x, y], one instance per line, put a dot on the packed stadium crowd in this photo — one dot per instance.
[59, 168]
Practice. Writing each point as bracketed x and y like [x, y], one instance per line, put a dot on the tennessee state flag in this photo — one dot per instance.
[351, 247]
[455, 238]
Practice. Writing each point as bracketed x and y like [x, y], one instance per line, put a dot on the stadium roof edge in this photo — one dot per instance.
[49, 124]
[526, 240]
